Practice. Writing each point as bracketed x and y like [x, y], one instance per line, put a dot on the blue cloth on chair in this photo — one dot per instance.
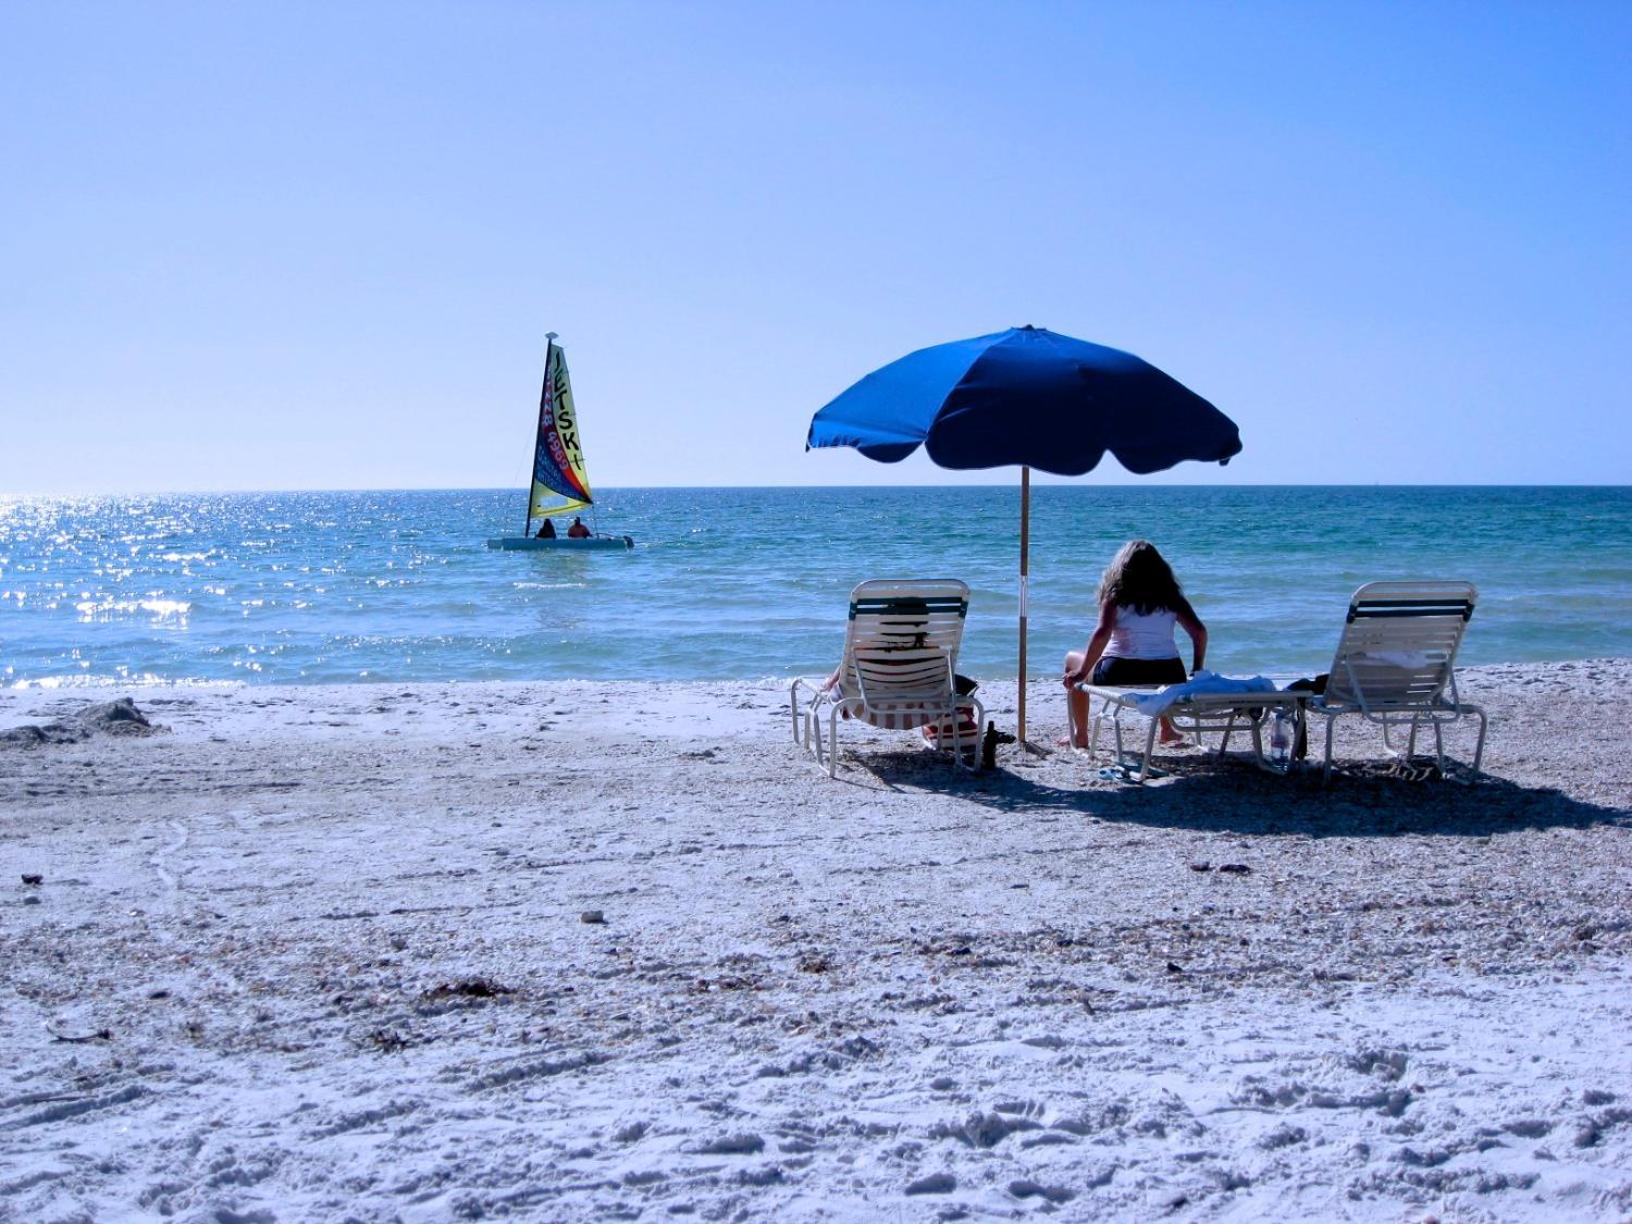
[1203, 682]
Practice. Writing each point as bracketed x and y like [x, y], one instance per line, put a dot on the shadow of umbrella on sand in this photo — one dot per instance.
[1031, 397]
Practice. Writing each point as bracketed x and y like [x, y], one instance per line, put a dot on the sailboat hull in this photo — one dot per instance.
[563, 544]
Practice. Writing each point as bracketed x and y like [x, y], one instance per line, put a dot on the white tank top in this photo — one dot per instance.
[1141, 635]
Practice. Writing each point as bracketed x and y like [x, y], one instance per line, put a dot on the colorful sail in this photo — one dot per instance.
[560, 484]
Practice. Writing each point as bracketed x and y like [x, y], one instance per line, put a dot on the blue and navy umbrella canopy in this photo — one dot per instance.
[1030, 397]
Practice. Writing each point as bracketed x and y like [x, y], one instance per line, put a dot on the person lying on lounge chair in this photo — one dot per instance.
[908, 633]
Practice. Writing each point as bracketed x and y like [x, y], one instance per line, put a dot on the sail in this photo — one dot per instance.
[560, 485]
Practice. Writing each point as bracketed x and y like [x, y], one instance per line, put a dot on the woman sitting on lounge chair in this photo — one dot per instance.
[1140, 601]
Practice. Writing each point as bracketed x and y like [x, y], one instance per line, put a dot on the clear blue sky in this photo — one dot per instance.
[318, 245]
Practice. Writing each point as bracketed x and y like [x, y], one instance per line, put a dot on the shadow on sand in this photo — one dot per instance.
[1230, 796]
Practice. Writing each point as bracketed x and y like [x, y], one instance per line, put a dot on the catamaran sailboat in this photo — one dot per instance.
[560, 485]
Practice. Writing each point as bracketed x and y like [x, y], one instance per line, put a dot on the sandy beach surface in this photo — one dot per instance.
[616, 951]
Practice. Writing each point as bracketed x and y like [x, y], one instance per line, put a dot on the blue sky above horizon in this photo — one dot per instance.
[312, 246]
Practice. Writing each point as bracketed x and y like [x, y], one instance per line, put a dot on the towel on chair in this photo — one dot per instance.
[1153, 705]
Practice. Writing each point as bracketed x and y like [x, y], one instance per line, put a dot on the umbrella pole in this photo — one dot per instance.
[1025, 550]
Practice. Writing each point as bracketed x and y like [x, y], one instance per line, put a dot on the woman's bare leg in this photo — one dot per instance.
[1076, 706]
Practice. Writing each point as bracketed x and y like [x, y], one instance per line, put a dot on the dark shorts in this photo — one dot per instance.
[1110, 670]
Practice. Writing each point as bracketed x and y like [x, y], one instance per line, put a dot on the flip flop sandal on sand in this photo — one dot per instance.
[1127, 773]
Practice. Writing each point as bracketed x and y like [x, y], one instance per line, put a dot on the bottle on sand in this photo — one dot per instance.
[1280, 739]
[988, 747]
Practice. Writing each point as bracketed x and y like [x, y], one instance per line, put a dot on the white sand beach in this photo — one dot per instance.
[581, 950]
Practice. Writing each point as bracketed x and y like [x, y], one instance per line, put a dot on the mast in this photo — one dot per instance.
[543, 395]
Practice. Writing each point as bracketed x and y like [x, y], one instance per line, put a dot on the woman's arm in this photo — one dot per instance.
[1191, 624]
[1096, 646]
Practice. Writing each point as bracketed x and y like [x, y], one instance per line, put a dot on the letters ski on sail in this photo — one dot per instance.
[560, 484]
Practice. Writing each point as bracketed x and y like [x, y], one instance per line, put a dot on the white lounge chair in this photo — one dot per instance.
[900, 660]
[1394, 664]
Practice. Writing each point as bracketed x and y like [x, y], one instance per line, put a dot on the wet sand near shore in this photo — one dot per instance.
[585, 950]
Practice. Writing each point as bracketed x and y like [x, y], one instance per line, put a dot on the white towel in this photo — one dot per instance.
[1406, 660]
[1153, 704]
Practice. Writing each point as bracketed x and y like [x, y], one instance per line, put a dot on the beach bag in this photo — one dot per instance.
[961, 730]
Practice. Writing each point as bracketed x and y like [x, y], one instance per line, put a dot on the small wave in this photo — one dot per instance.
[175, 610]
[85, 680]
[549, 586]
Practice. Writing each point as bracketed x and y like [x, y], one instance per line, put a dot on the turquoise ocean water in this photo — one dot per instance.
[744, 583]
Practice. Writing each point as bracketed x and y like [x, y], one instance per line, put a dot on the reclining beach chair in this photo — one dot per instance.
[897, 673]
[1395, 664]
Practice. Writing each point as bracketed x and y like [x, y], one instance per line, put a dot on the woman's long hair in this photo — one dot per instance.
[1140, 578]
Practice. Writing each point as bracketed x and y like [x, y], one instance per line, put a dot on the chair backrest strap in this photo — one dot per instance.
[1362, 609]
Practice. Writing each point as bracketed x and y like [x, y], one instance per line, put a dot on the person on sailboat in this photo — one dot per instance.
[547, 531]
[577, 531]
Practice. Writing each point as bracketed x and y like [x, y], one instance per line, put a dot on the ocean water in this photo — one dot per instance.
[746, 583]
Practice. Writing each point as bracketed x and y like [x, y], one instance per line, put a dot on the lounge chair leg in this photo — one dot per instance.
[1327, 775]
[1150, 743]
[833, 742]
[1439, 746]
[1411, 740]
[1479, 749]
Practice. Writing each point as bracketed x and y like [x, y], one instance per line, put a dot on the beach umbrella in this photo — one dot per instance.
[1028, 397]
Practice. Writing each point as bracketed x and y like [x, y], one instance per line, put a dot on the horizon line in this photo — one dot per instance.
[1058, 483]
